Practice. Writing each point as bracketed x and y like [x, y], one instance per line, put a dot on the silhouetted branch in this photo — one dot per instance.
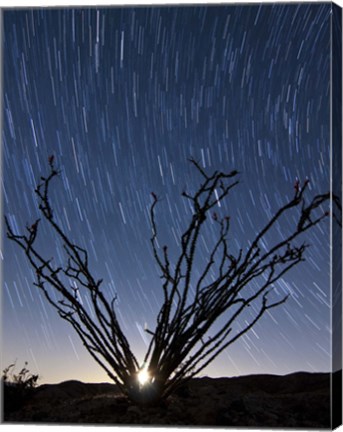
[102, 336]
[178, 349]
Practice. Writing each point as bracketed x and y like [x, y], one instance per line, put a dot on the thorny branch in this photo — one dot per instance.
[192, 304]
[102, 335]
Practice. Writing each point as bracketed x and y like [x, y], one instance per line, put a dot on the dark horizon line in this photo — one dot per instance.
[302, 372]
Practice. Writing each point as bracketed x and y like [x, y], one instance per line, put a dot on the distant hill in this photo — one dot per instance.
[298, 400]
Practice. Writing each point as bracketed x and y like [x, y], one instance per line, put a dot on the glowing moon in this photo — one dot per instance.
[143, 376]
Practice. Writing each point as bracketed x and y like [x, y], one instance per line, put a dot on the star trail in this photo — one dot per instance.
[122, 97]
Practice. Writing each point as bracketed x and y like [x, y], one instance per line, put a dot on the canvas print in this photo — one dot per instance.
[171, 226]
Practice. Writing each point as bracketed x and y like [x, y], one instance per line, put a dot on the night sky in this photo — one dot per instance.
[122, 97]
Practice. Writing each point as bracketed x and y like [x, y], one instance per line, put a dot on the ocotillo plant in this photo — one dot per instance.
[181, 344]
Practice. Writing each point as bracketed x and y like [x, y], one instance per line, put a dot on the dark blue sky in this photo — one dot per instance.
[122, 97]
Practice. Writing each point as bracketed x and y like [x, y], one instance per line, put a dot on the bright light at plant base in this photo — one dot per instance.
[143, 376]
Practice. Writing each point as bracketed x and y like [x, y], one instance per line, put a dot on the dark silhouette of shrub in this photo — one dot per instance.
[195, 297]
[17, 388]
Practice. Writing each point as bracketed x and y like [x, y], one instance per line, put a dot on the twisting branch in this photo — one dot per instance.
[102, 335]
[179, 348]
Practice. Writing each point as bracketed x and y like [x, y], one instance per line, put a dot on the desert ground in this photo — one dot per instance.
[298, 400]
